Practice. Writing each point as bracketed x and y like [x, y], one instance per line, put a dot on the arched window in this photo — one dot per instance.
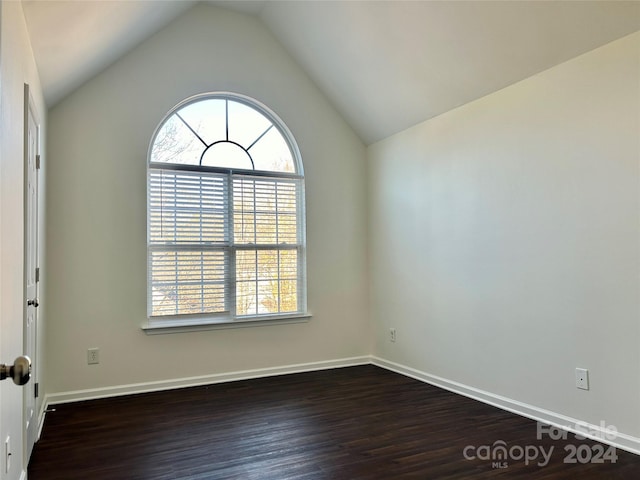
[225, 215]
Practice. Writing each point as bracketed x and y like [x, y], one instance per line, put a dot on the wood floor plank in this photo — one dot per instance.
[363, 423]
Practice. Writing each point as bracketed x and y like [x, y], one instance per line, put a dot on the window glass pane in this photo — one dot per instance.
[265, 210]
[255, 136]
[246, 277]
[265, 213]
[244, 211]
[288, 268]
[187, 207]
[246, 298]
[246, 265]
[287, 220]
[266, 281]
[207, 118]
[272, 153]
[227, 155]
[288, 296]
[244, 227]
[187, 282]
[213, 295]
[175, 143]
[245, 124]
[268, 297]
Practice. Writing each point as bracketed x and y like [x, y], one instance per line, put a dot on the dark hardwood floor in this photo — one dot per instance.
[349, 423]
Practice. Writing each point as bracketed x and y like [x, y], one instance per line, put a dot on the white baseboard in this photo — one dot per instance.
[573, 425]
[120, 390]
[623, 441]
[41, 414]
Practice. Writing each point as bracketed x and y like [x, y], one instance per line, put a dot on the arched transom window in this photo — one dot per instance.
[225, 215]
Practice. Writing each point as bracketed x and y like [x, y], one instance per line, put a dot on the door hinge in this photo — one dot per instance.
[38, 162]
[36, 389]
[38, 274]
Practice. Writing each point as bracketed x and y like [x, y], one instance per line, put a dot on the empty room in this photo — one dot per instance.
[319, 240]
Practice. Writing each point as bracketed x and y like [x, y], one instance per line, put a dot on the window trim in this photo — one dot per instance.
[203, 323]
[212, 321]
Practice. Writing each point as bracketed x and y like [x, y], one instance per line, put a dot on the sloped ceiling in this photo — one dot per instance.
[74, 40]
[385, 65]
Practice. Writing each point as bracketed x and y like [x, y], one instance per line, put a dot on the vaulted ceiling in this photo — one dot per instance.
[385, 65]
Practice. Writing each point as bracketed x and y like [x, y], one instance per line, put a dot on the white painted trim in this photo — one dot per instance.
[151, 327]
[622, 440]
[41, 415]
[119, 390]
[23, 475]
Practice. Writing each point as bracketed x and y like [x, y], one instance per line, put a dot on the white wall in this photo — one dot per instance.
[17, 67]
[505, 240]
[98, 140]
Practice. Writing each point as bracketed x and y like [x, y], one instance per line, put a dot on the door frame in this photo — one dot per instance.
[31, 115]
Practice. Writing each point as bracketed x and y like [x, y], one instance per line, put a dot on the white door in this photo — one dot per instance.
[31, 273]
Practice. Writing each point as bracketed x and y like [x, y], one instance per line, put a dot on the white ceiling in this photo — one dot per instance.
[385, 65]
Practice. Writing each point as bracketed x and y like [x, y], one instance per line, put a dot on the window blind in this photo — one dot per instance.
[268, 236]
[188, 242]
[224, 243]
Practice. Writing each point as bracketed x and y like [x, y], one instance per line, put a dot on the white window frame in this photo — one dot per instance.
[229, 318]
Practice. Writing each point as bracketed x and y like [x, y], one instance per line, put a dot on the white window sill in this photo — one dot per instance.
[157, 327]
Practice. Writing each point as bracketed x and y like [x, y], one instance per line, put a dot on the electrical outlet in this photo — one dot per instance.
[93, 356]
[392, 334]
[582, 378]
